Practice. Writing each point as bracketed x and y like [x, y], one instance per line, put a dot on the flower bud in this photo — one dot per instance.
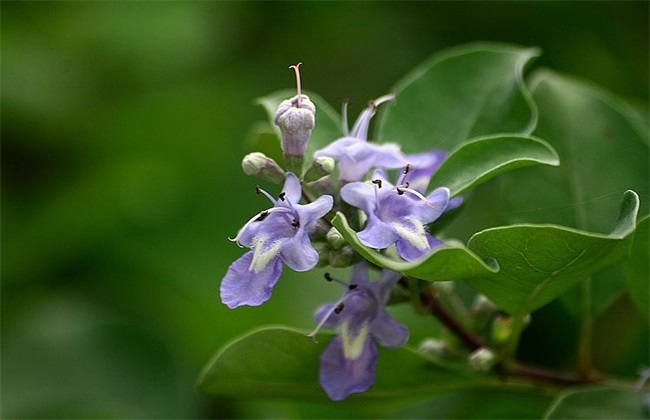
[335, 239]
[341, 258]
[482, 360]
[434, 347]
[261, 166]
[482, 311]
[445, 287]
[320, 167]
[501, 330]
[296, 118]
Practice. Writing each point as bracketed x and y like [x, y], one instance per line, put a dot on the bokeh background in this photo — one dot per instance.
[123, 128]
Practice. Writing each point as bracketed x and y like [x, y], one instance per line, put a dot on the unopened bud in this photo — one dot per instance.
[482, 360]
[320, 167]
[295, 117]
[323, 250]
[335, 239]
[501, 330]
[261, 166]
[482, 312]
[340, 258]
[434, 347]
[445, 287]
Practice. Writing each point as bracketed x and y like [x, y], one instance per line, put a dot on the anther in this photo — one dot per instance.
[328, 277]
[407, 169]
[282, 195]
[377, 182]
[339, 308]
[263, 215]
[296, 68]
[295, 223]
[399, 192]
[258, 189]
[352, 286]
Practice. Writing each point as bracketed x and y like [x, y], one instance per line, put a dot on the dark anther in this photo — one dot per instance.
[406, 184]
[399, 192]
[347, 101]
[352, 286]
[377, 182]
[339, 308]
[328, 277]
[282, 195]
[258, 189]
[263, 215]
[295, 223]
[407, 169]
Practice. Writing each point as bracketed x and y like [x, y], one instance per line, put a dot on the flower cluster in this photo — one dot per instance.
[296, 231]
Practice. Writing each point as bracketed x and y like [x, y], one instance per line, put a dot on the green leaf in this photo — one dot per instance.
[328, 122]
[458, 94]
[599, 403]
[540, 262]
[481, 159]
[277, 361]
[451, 261]
[636, 270]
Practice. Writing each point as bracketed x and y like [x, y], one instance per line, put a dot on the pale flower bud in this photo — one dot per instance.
[434, 347]
[261, 166]
[482, 360]
[335, 239]
[320, 167]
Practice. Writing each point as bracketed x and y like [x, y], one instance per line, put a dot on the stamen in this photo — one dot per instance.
[406, 170]
[352, 286]
[281, 195]
[401, 189]
[377, 182]
[295, 223]
[329, 278]
[259, 190]
[382, 99]
[263, 215]
[258, 218]
[344, 113]
[296, 68]
[339, 308]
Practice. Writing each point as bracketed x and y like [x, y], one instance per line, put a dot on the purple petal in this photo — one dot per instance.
[336, 149]
[310, 213]
[361, 195]
[388, 156]
[454, 203]
[292, 188]
[242, 286]
[341, 377]
[383, 286]
[387, 331]
[377, 234]
[298, 253]
[438, 200]
[410, 253]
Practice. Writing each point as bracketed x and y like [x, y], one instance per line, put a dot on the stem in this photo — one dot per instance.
[430, 301]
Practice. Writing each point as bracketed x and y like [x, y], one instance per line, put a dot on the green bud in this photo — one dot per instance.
[341, 258]
[434, 347]
[445, 287]
[320, 167]
[335, 239]
[263, 167]
[482, 312]
[482, 360]
[501, 330]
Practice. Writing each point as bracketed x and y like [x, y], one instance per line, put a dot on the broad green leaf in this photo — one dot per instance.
[636, 268]
[540, 262]
[451, 261]
[481, 159]
[328, 122]
[458, 94]
[277, 361]
[599, 403]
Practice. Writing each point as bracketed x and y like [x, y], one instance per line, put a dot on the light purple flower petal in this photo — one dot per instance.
[298, 253]
[411, 253]
[241, 286]
[336, 149]
[377, 234]
[422, 167]
[361, 195]
[387, 331]
[292, 188]
[310, 213]
[340, 376]
[438, 200]
[332, 321]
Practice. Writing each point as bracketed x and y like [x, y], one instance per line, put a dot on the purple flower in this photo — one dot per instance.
[354, 154]
[276, 236]
[422, 166]
[347, 365]
[396, 214]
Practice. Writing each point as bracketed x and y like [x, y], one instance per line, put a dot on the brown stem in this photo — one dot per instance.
[430, 301]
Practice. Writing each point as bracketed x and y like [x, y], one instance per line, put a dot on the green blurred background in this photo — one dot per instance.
[123, 128]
